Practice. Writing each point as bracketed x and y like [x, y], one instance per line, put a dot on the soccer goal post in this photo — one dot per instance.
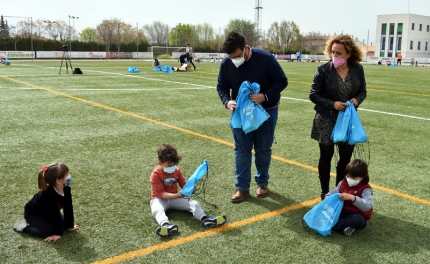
[165, 52]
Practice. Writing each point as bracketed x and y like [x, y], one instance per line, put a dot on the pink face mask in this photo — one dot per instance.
[338, 61]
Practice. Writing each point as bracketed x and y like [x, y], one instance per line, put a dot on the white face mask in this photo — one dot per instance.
[238, 61]
[352, 182]
[169, 169]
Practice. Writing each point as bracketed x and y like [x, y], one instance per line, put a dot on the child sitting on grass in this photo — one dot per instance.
[165, 179]
[42, 215]
[357, 195]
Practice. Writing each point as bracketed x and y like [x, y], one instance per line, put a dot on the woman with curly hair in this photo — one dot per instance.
[335, 82]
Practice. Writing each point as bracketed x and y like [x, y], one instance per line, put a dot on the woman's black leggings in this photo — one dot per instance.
[324, 164]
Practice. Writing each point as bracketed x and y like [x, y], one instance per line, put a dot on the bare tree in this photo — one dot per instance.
[58, 30]
[116, 31]
[157, 32]
[283, 36]
[106, 32]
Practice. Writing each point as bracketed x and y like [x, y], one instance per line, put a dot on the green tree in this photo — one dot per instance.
[245, 27]
[88, 35]
[183, 34]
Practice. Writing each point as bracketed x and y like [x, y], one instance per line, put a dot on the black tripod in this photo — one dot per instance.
[67, 58]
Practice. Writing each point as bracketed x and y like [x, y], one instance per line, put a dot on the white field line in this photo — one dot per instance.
[368, 110]
[206, 87]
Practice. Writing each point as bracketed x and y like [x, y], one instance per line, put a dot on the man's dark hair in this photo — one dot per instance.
[233, 41]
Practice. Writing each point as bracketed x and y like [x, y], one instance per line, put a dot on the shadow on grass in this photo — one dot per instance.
[274, 201]
[72, 247]
[384, 240]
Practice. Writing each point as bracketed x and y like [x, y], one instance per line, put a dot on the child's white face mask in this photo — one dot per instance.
[352, 182]
[169, 169]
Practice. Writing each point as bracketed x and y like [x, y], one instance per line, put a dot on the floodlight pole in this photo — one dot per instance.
[70, 38]
[137, 41]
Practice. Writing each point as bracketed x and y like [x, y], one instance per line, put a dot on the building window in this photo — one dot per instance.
[383, 36]
[399, 36]
[421, 27]
[411, 46]
[399, 28]
[383, 43]
[428, 28]
[399, 42]
[413, 26]
[391, 28]
[391, 43]
[419, 45]
[426, 46]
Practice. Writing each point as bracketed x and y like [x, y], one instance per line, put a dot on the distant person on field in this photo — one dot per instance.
[165, 179]
[42, 214]
[183, 59]
[156, 63]
[357, 195]
[190, 52]
[399, 59]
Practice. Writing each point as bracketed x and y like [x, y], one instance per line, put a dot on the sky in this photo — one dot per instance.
[328, 17]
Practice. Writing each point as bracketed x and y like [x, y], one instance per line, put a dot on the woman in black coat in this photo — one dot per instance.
[335, 82]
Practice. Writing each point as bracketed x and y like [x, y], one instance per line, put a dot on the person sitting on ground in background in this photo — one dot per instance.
[156, 63]
[165, 179]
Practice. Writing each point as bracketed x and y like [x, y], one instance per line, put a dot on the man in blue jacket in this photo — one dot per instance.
[256, 66]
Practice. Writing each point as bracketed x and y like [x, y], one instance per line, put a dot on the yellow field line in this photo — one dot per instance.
[203, 234]
[210, 232]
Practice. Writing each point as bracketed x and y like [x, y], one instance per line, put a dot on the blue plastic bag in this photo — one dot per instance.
[323, 216]
[348, 127]
[356, 129]
[201, 170]
[133, 69]
[341, 128]
[248, 115]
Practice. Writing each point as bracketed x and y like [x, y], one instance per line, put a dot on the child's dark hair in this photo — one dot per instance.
[358, 168]
[168, 153]
[49, 174]
[233, 41]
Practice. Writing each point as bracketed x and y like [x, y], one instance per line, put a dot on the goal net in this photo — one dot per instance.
[165, 51]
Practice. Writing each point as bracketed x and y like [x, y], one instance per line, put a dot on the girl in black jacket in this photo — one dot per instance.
[42, 214]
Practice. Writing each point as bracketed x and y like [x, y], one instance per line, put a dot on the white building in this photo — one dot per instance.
[408, 34]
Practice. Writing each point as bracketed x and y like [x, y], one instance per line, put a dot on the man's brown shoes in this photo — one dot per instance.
[262, 191]
[238, 196]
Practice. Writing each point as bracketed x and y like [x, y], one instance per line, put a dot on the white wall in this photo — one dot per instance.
[408, 35]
